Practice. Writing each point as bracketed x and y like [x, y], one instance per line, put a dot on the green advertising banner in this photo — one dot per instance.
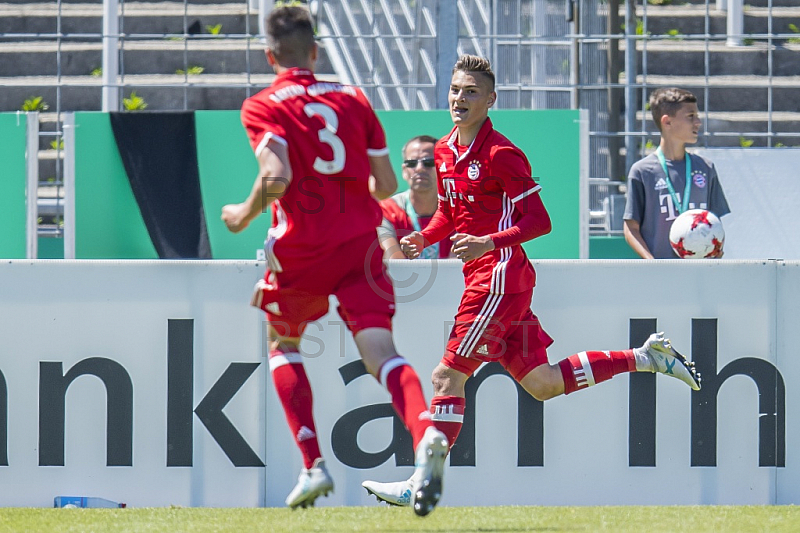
[13, 178]
[109, 225]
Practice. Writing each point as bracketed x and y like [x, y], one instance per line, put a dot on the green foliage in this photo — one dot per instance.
[35, 103]
[214, 30]
[97, 72]
[57, 145]
[649, 145]
[794, 29]
[748, 42]
[289, 3]
[675, 35]
[134, 102]
[639, 27]
[659, 2]
[192, 71]
[745, 143]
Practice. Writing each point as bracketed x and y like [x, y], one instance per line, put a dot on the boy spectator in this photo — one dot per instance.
[670, 181]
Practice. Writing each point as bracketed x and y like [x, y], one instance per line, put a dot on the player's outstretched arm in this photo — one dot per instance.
[383, 181]
[274, 177]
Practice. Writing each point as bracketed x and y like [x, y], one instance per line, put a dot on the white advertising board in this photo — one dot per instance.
[158, 367]
[760, 185]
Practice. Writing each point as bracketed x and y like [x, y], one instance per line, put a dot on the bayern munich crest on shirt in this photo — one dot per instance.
[699, 178]
[474, 170]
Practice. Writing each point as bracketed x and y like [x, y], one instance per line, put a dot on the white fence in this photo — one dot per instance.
[158, 393]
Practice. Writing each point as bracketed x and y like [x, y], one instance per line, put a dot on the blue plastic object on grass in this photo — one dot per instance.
[86, 502]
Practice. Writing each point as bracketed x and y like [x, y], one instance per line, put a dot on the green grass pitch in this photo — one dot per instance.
[640, 519]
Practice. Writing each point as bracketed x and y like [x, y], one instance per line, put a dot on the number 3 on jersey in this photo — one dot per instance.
[328, 136]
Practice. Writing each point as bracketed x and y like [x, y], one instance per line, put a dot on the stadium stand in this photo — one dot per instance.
[205, 54]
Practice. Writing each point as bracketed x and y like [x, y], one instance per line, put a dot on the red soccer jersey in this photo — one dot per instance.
[483, 189]
[330, 131]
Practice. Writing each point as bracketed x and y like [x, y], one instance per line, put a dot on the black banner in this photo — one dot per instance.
[159, 153]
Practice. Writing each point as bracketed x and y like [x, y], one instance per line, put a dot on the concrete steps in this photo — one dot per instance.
[748, 3]
[727, 129]
[147, 18]
[161, 92]
[689, 19]
[216, 56]
[159, 40]
[748, 89]
[687, 58]
[736, 93]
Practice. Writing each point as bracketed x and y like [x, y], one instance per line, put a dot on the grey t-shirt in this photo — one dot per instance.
[649, 201]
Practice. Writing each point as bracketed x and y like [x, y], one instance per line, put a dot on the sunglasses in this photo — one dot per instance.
[412, 163]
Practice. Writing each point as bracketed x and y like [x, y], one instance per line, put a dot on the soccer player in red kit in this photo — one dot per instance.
[323, 161]
[487, 195]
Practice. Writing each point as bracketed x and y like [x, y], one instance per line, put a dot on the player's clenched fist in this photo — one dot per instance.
[412, 244]
[235, 217]
[468, 247]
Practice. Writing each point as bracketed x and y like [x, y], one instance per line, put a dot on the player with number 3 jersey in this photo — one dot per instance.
[323, 161]
[331, 132]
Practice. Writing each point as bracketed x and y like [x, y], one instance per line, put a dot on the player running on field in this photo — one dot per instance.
[322, 156]
[487, 195]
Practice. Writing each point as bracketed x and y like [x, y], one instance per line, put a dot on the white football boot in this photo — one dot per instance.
[427, 478]
[666, 360]
[397, 493]
[312, 483]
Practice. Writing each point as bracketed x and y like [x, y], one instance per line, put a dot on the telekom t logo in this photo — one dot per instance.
[451, 193]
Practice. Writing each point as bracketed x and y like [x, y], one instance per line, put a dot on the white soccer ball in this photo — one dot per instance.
[697, 234]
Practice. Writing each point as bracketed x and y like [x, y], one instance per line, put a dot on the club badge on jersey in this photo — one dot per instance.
[474, 170]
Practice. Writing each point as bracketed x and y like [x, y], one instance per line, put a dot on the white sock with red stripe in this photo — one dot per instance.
[447, 413]
[294, 391]
[408, 400]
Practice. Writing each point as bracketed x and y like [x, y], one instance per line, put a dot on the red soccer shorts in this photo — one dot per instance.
[355, 274]
[496, 327]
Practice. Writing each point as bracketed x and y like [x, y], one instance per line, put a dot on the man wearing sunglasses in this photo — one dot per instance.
[412, 210]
